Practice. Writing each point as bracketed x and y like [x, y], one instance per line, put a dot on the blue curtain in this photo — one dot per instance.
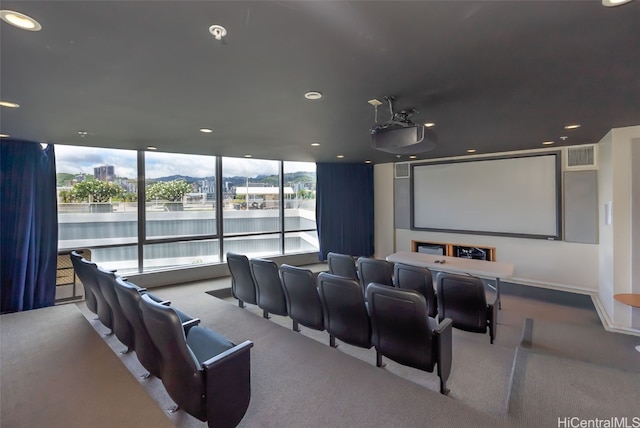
[344, 209]
[29, 218]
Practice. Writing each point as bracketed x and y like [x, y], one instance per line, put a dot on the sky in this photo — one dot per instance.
[78, 159]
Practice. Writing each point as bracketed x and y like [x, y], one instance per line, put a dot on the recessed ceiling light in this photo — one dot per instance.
[152, 148]
[206, 130]
[9, 104]
[340, 156]
[572, 126]
[367, 161]
[313, 95]
[547, 143]
[429, 124]
[471, 151]
[612, 3]
[20, 20]
[248, 156]
[4, 135]
[315, 144]
[413, 157]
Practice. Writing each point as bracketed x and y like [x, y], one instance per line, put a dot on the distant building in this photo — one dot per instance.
[104, 173]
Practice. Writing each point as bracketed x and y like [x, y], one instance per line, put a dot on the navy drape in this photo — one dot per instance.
[29, 219]
[344, 209]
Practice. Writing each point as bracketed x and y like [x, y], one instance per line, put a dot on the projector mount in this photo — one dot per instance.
[401, 118]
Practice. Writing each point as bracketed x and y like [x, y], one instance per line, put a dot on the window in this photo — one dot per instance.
[172, 219]
[299, 181]
[98, 203]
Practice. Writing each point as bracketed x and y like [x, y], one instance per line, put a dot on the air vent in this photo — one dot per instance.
[582, 157]
[402, 170]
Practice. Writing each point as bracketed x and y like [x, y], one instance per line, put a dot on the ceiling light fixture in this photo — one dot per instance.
[4, 135]
[575, 126]
[340, 156]
[367, 161]
[248, 156]
[547, 143]
[471, 150]
[430, 124]
[206, 130]
[152, 148]
[83, 133]
[218, 31]
[20, 20]
[313, 95]
[613, 3]
[9, 104]
[413, 157]
[315, 144]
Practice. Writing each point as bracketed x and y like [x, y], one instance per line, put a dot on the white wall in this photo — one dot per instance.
[556, 264]
[617, 246]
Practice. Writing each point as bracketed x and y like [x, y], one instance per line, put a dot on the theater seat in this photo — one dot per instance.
[270, 294]
[462, 298]
[342, 265]
[374, 270]
[301, 292]
[243, 287]
[204, 373]
[403, 332]
[345, 312]
[417, 279]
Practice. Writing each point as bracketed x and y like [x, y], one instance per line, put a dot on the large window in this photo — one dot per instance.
[98, 203]
[172, 219]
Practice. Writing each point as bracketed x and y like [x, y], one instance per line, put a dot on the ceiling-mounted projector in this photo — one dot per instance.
[400, 136]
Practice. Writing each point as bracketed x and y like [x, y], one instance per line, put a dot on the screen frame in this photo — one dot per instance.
[558, 197]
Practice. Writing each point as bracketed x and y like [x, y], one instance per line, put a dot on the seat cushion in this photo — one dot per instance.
[205, 343]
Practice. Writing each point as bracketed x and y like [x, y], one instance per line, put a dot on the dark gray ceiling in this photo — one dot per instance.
[492, 75]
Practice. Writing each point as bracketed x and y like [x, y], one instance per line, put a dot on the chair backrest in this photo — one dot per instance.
[129, 298]
[242, 284]
[90, 269]
[417, 279]
[462, 298]
[120, 324]
[301, 293]
[374, 270]
[88, 281]
[342, 265]
[180, 370]
[401, 328]
[270, 293]
[345, 311]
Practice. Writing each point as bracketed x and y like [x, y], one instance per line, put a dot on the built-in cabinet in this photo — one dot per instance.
[466, 251]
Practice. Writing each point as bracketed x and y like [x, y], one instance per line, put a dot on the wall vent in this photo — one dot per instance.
[402, 170]
[582, 157]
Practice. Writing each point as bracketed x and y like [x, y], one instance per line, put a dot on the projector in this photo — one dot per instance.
[403, 138]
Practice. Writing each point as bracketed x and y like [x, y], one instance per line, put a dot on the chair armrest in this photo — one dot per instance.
[228, 380]
[444, 349]
[191, 323]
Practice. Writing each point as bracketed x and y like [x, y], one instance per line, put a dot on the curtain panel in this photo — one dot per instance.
[344, 209]
[29, 218]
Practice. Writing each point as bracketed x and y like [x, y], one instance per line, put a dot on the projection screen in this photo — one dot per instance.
[509, 196]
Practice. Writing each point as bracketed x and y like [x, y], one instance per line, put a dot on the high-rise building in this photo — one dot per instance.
[104, 173]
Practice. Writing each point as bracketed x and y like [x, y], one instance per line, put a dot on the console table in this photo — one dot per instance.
[481, 268]
[630, 299]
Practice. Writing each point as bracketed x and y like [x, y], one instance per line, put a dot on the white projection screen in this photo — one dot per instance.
[508, 196]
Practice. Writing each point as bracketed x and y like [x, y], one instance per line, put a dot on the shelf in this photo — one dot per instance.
[468, 251]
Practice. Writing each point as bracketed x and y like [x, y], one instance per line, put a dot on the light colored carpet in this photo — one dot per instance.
[57, 372]
[548, 387]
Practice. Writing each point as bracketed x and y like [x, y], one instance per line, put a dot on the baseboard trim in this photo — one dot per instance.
[607, 323]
